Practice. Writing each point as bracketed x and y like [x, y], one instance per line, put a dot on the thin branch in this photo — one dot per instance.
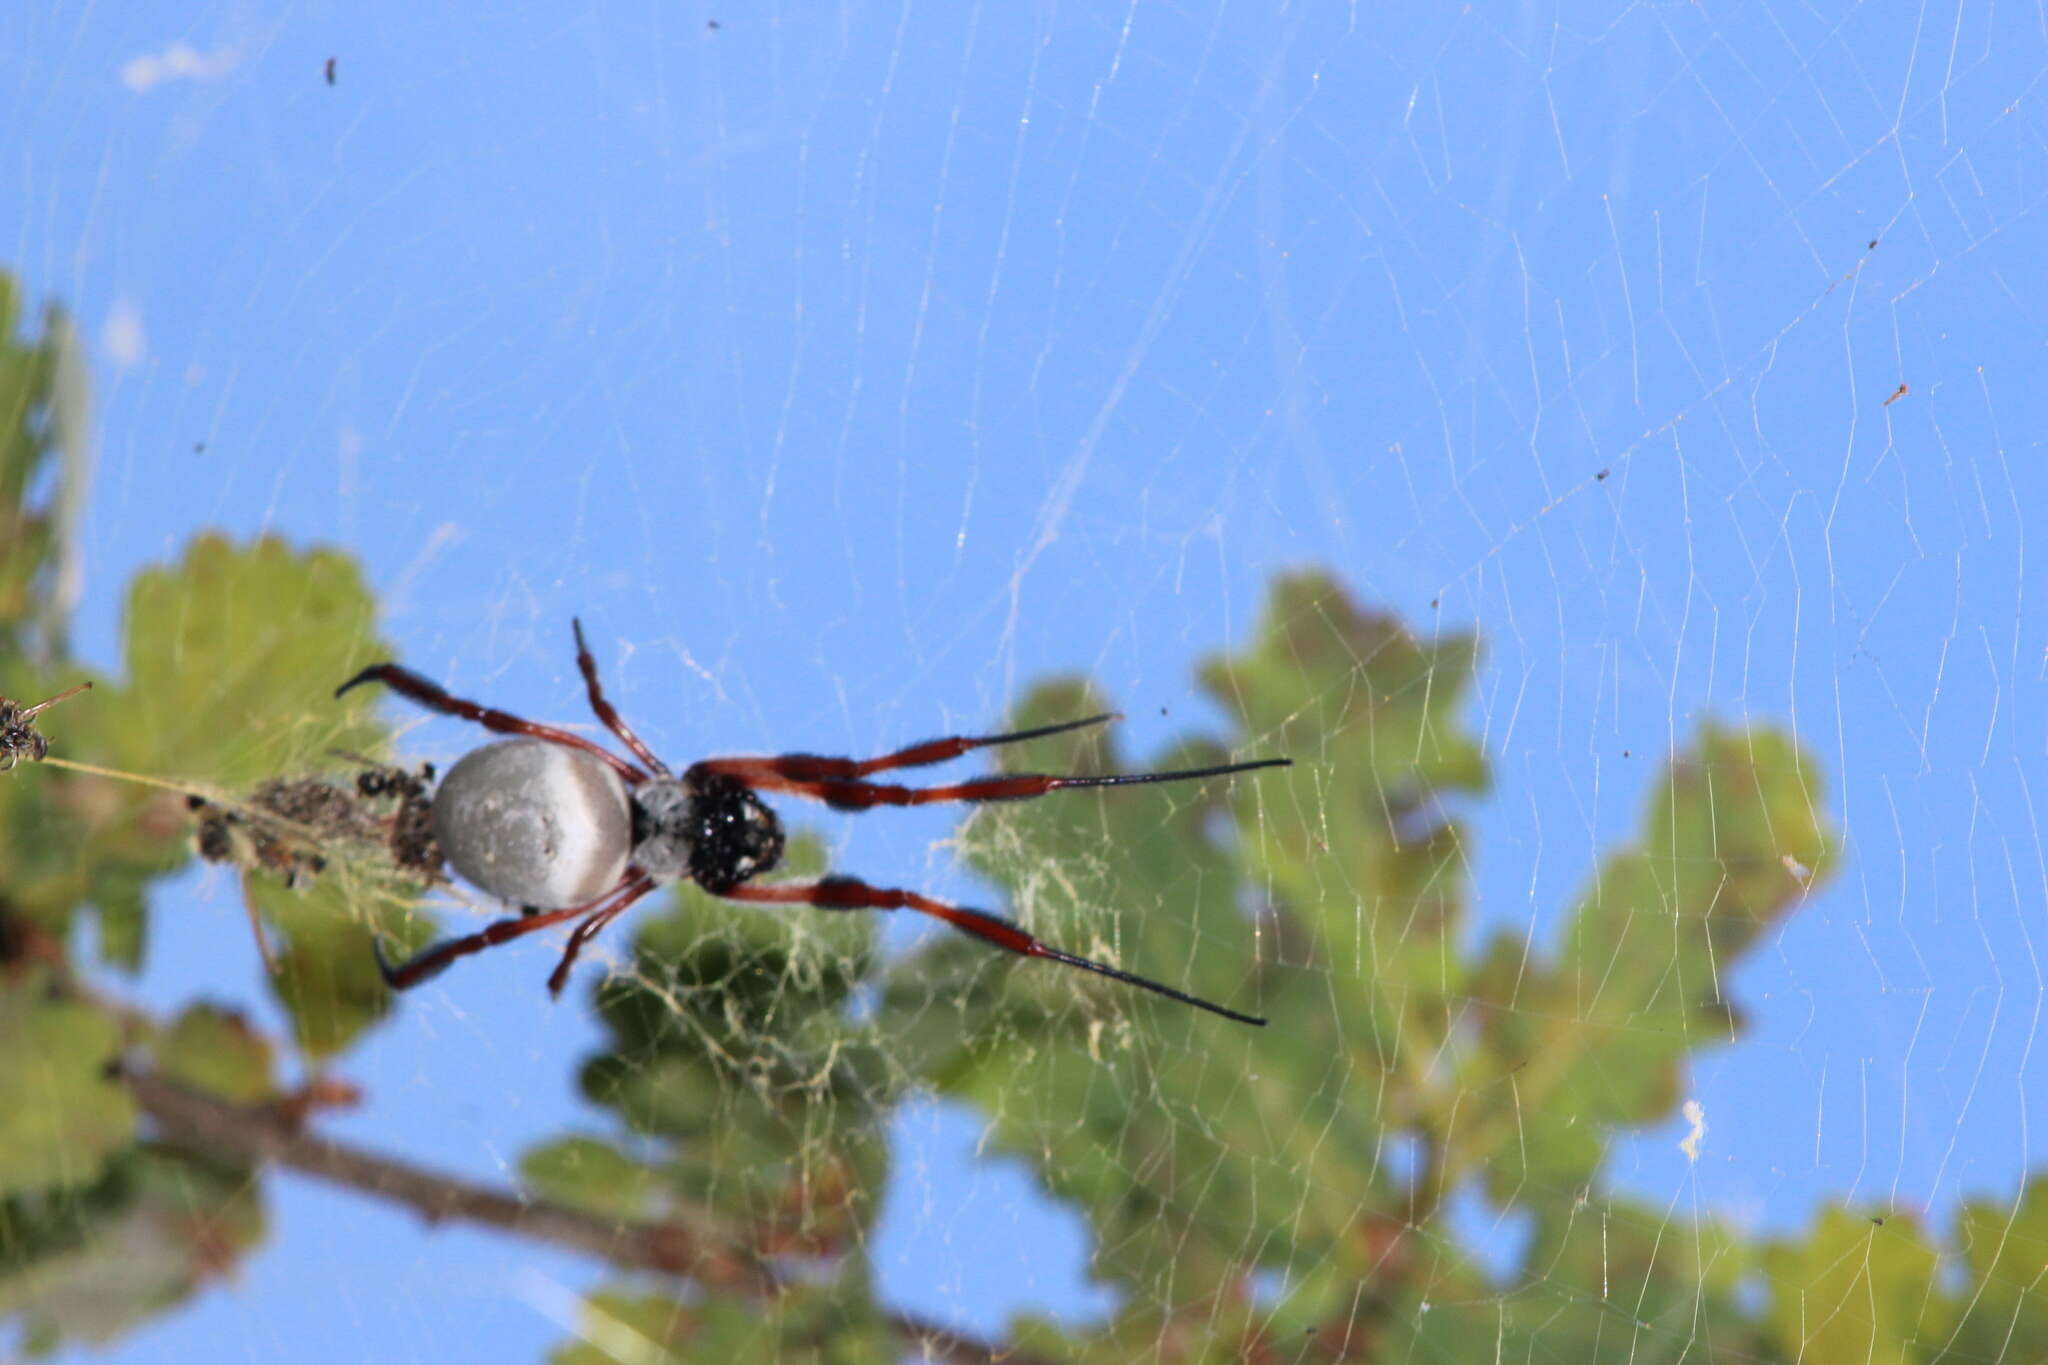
[261, 1133]
[266, 1133]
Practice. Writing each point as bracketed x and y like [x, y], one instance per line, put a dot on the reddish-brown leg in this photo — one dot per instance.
[431, 961]
[409, 684]
[819, 768]
[849, 893]
[637, 885]
[791, 774]
[613, 721]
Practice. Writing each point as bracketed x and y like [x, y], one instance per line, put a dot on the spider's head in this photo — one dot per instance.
[708, 827]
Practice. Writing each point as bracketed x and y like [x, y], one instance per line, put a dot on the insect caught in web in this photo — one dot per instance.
[19, 738]
[286, 825]
[568, 830]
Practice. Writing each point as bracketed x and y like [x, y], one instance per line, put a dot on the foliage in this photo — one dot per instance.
[1252, 1194]
[101, 1225]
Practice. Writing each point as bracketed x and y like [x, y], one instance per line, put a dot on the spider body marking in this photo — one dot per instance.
[568, 830]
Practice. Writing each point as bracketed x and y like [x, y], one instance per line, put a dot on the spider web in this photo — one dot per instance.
[851, 373]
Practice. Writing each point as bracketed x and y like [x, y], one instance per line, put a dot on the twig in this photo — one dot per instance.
[264, 1133]
[261, 1133]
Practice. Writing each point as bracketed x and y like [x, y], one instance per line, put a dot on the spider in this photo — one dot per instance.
[18, 735]
[568, 830]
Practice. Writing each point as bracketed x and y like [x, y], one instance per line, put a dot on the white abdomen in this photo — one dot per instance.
[535, 823]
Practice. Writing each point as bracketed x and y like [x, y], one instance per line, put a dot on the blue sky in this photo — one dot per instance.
[848, 369]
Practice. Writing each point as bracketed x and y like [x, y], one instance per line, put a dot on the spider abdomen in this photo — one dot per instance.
[535, 823]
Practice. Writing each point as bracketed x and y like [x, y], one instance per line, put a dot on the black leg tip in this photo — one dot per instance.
[384, 967]
[370, 674]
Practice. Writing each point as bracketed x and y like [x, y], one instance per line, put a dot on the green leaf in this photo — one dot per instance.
[118, 895]
[1357, 839]
[61, 1114]
[1856, 1287]
[730, 1042]
[93, 1264]
[1734, 840]
[69, 839]
[33, 417]
[233, 656]
[327, 976]
[212, 1048]
[2004, 1246]
[826, 1324]
[1197, 1149]
[1608, 1279]
[1169, 1128]
[589, 1174]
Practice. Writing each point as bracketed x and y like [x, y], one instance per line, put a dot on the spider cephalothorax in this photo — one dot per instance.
[571, 831]
[732, 835]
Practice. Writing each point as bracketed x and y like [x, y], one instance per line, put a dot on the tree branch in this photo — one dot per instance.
[262, 1133]
[269, 1134]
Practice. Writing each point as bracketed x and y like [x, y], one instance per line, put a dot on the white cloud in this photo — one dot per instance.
[178, 62]
[122, 334]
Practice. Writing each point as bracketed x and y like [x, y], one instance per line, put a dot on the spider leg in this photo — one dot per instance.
[850, 893]
[819, 768]
[791, 774]
[606, 712]
[409, 684]
[638, 884]
[431, 961]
